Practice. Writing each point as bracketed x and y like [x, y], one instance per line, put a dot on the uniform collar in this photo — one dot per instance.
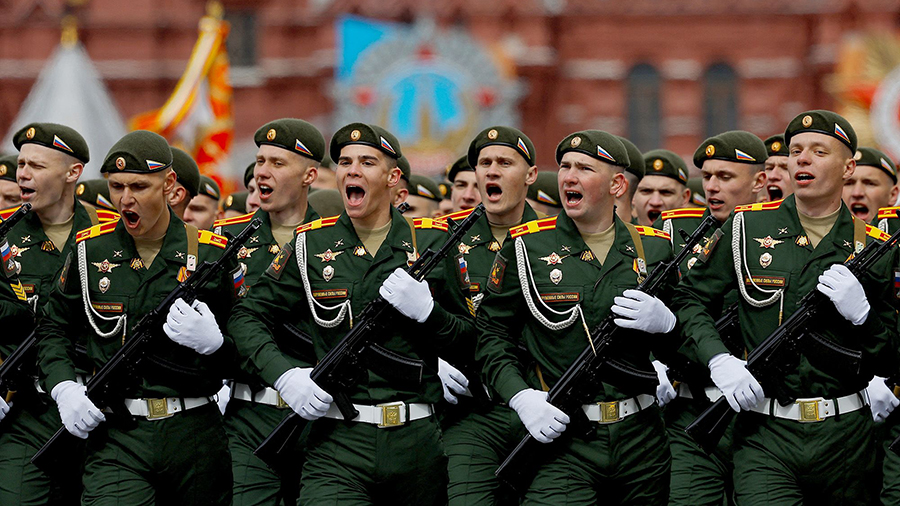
[173, 249]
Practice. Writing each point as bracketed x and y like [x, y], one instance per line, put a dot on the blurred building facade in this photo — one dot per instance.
[663, 73]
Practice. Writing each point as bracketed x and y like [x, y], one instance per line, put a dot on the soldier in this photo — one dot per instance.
[287, 163]
[872, 186]
[235, 205]
[173, 450]
[424, 197]
[790, 448]
[633, 175]
[579, 264]
[328, 273]
[663, 187]
[252, 200]
[187, 184]
[402, 190]
[464, 193]
[51, 159]
[95, 192]
[9, 189]
[477, 436]
[543, 195]
[201, 211]
[733, 175]
[778, 181]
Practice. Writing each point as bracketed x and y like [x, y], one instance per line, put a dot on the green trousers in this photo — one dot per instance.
[30, 423]
[890, 461]
[255, 484]
[626, 462]
[784, 462]
[698, 478]
[476, 442]
[181, 460]
[355, 464]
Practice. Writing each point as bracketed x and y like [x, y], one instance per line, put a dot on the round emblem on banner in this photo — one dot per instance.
[492, 134]
[354, 135]
[120, 163]
[807, 121]
[30, 133]
[270, 135]
[575, 142]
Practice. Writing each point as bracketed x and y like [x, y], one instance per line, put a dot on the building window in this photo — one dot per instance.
[241, 40]
[644, 122]
[720, 92]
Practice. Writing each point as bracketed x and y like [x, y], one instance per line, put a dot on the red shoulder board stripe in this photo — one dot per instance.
[207, 237]
[877, 233]
[426, 223]
[533, 226]
[104, 216]
[458, 215]
[6, 213]
[96, 231]
[317, 224]
[888, 212]
[759, 206]
[244, 218]
[652, 232]
[685, 212]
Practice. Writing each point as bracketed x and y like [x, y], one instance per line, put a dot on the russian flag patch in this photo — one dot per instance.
[740, 155]
[5, 251]
[387, 145]
[886, 166]
[840, 133]
[154, 165]
[521, 145]
[542, 196]
[58, 143]
[301, 148]
[602, 153]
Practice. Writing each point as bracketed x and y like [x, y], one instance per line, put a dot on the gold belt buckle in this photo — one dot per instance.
[809, 411]
[279, 403]
[609, 412]
[158, 409]
[390, 415]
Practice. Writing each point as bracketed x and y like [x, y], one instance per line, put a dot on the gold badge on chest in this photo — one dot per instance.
[274, 249]
[104, 284]
[765, 260]
[767, 242]
[494, 246]
[105, 266]
[328, 255]
[328, 272]
[553, 258]
[360, 251]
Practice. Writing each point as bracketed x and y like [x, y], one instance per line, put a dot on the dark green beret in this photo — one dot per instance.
[775, 146]
[545, 189]
[822, 122]
[138, 152]
[294, 135]
[596, 144]
[698, 196]
[446, 189]
[53, 136]
[326, 202]
[460, 165]
[95, 192]
[327, 162]
[237, 201]
[875, 158]
[735, 146]
[367, 135]
[209, 187]
[635, 158]
[501, 136]
[248, 174]
[187, 171]
[425, 187]
[8, 166]
[662, 162]
[405, 169]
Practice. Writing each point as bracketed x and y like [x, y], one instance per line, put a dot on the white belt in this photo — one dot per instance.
[391, 414]
[712, 393]
[812, 410]
[268, 395]
[157, 409]
[614, 411]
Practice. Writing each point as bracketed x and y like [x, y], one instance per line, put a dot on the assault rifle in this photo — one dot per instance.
[337, 371]
[775, 356]
[595, 364]
[102, 387]
[11, 367]
[7, 224]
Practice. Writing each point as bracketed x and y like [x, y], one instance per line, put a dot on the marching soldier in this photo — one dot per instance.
[187, 183]
[789, 447]
[173, 449]
[423, 198]
[733, 175]
[872, 186]
[95, 192]
[633, 175]
[51, 159]
[477, 436]
[202, 209]
[778, 180]
[663, 187]
[464, 193]
[286, 165]
[555, 279]
[543, 195]
[9, 190]
[236, 204]
[326, 275]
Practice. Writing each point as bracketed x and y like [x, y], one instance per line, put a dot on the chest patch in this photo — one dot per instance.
[331, 293]
[561, 297]
[776, 281]
[108, 307]
[498, 269]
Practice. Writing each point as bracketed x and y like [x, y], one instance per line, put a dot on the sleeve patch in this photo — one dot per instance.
[19, 290]
[64, 274]
[495, 281]
[276, 268]
[463, 273]
[710, 245]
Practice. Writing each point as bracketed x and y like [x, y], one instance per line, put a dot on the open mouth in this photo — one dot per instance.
[652, 215]
[804, 178]
[775, 192]
[715, 203]
[132, 219]
[26, 193]
[265, 191]
[859, 210]
[573, 198]
[493, 191]
[355, 194]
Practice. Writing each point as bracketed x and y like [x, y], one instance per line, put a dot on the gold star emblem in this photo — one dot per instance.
[105, 266]
[17, 251]
[767, 242]
[553, 258]
[328, 255]
[245, 252]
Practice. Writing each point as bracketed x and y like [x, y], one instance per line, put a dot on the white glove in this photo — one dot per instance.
[222, 398]
[642, 311]
[412, 298]
[739, 387]
[665, 392]
[544, 421]
[302, 394]
[453, 381]
[844, 290]
[193, 326]
[77, 412]
[4, 408]
[881, 399]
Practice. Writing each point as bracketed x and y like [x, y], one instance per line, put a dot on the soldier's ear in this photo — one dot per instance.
[618, 185]
[531, 175]
[74, 172]
[169, 182]
[849, 168]
[310, 175]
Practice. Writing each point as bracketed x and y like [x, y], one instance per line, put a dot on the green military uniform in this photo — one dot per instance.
[326, 276]
[563, 290]
[36, 261]
[255, 410]
[173, 449]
